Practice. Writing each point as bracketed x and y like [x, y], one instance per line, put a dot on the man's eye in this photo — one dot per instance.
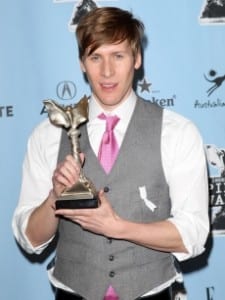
[119, 56]
[94, 57]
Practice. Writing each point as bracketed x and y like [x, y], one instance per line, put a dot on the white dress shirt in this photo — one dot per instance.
[183, 162]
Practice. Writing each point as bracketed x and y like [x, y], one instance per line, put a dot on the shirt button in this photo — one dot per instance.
[109, 240]
[111, 257]
[111, 274]
[106, 189]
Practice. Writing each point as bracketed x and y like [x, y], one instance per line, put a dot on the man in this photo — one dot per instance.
[153, 200]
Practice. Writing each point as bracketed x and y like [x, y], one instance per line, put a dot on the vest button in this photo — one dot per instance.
[106, 189]
[111, 257]
[111, 274]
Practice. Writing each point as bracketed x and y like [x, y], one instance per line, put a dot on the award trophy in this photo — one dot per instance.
[82, 194]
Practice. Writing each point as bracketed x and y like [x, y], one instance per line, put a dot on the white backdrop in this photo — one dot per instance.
[184, 71]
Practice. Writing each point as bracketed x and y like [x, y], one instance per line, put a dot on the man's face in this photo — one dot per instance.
[110, 72]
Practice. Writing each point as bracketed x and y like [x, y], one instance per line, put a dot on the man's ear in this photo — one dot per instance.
[82, 66]
[138, 61]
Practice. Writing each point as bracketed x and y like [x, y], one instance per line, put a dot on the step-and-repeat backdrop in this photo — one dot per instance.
[184, 70]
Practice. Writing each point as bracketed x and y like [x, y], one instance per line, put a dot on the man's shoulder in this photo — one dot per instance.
[45, 130]
[149, 106]
[169, 116]
[179, 125]
[175, 117]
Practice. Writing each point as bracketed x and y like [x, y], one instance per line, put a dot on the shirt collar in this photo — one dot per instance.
[123, 111]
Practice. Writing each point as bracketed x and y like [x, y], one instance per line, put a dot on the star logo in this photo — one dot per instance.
[145, 86]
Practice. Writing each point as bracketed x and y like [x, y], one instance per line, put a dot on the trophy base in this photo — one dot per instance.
[79, 196]
[77, 203]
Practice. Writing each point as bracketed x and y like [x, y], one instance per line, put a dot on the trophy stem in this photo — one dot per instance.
[74, 134]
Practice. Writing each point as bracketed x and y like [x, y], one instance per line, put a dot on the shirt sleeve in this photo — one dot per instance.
[188, 184]
[19, 224]
[38, 166]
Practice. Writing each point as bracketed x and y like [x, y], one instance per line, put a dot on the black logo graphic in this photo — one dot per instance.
[213, 11]
[81, 10]
[216, 159]
[179, 291]
[215, 80]
[66, 90]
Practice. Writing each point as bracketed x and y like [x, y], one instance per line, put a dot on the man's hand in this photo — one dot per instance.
[66, 174]
[102, 220]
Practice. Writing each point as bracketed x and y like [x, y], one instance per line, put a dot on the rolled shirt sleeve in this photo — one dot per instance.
[38, 166]
[186, 172]
[19, 225]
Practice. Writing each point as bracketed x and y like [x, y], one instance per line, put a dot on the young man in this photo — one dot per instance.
[154, 199]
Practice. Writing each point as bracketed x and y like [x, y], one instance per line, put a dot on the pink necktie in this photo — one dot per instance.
[108, 149]
[111, 294]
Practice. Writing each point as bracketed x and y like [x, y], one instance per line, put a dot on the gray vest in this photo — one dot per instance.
[89, 263]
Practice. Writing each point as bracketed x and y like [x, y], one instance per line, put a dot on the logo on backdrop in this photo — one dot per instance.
[210, 291]
[145, 87]
[66, 90]
[215, 81]
[215, 85]
[216, 161]
[80, 10]
[6, 111]
[213, 12]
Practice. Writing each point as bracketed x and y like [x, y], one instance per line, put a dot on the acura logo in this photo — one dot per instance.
[66, 90]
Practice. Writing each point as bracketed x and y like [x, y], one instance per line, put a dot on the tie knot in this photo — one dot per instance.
[111, 121]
